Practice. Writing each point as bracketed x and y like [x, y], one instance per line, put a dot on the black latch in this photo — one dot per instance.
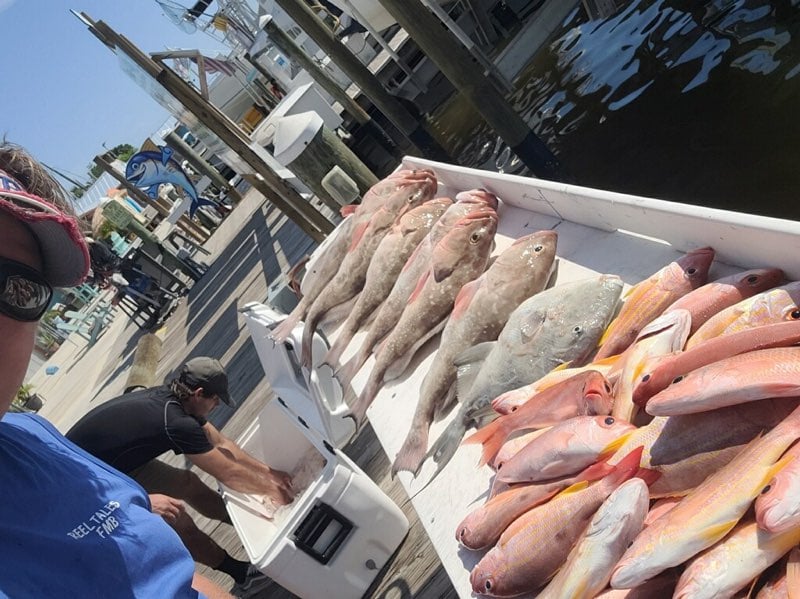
[283, 403]
[329, 447]
[303, 422]
[322, 532]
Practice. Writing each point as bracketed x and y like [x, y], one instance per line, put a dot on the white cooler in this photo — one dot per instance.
[342, 528]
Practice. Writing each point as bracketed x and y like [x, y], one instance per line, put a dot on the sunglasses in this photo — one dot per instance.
[24, 293]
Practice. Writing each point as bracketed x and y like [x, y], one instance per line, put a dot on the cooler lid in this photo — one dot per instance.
[284, 373]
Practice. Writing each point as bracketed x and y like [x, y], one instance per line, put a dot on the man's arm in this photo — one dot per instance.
[235, 468]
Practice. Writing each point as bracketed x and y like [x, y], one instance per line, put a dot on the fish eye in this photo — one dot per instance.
[677, 379]
[752, 279]
[645, 378]
[795, 314]
[691, 271]
[538, 248]
[488, 585]
[474, 238]
[609, 421]
[578, 329]
[607, 387]
[766, 489]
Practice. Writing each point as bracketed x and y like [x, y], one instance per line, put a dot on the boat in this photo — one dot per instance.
[600, 232]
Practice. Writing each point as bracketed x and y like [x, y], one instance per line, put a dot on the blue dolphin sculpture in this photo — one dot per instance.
[150, 169]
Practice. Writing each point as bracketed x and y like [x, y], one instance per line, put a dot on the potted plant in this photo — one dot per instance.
[26, 399]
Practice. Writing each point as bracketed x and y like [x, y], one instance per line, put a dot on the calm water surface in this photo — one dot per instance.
[697, 102]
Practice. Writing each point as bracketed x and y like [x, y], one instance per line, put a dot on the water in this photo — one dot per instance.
[684, 101]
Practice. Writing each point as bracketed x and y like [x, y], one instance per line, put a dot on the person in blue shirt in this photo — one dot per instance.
[70, 525]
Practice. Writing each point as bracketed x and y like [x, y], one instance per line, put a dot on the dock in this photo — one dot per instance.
[253, 246]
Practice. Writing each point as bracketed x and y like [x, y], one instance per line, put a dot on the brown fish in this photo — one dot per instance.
[322, 270]
[481, 310]
[418, 263]
[457, 259]
[387, 262]
[352, 273]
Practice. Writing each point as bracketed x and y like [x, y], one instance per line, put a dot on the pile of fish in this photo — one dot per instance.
[642, 445]
[685, 483]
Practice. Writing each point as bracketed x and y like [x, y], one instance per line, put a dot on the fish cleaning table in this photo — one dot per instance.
[599, 233]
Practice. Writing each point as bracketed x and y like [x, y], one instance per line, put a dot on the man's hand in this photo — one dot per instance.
[279, 487]
[167, 507]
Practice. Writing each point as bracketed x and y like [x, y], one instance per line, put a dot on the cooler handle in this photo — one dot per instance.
[308, 536]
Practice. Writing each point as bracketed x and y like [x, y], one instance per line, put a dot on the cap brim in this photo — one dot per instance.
[226, 398]
[65, 256]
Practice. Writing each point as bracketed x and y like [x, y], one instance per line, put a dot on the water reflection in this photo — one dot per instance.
[689, 101]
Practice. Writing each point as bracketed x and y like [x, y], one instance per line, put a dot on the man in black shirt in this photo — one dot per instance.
[130, 431]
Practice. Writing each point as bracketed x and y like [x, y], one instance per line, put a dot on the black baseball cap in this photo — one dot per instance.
[209, 374]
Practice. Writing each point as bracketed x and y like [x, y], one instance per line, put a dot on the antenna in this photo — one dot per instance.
[179, 15]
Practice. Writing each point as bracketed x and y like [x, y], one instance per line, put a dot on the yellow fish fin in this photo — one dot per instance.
[609, 361]
[606, 334]
[612, 447]
[562, 366]
[793, 574]
[774, 469]
[573, 488]
[715, 533]
[580, 590]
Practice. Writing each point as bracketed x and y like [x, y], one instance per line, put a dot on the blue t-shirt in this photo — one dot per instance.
[71, 526]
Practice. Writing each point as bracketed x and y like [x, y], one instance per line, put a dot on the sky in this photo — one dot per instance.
[64, 96]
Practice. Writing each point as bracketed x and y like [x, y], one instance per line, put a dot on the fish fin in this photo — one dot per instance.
[358, 235]
[420, 285]
[445, 448]
[412, 454]
[166, 154]
[347, 210]
[152, 191]
[442, 271]
[484, 414]
[562, 366]
[610, 449]
[468, 363]
[596, 471]
[714, 533]
[492, 442]
[464, 298]
[606, 334]
[774, 469]
[648, 475]
[484, 433]
[793, 573]
[628, 466]
[573, 488]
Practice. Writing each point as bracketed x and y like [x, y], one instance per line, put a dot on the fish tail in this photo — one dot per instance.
[412, 454]
[446, 445]
[285, 328]
[359, 408]
[345, 373]
[337, 349]
[491, 437]
[312, 318]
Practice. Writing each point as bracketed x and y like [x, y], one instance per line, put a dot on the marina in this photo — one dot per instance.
[630, 157]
